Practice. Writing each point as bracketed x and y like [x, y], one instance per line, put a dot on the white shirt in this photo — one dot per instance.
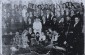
[75, 24]
[55, 38]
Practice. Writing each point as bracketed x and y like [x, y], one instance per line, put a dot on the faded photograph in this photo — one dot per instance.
[42, 27]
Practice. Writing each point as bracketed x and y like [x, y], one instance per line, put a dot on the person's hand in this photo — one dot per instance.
[65, 42]
[71, 31]
[49, 46]
[71, 46]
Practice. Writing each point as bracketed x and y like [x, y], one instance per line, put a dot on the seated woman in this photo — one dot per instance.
[24, 39]
[54, 37]
[16, 39]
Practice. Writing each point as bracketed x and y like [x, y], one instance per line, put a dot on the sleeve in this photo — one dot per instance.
[40, 25]
[33, 25]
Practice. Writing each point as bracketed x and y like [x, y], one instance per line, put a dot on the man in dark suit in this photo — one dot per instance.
[78, 38]
[67, 24]
[54, 24]
[68, 34]
[48, 20]
[74, 38]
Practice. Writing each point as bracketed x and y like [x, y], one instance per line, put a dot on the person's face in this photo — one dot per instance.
[25, 7]
[64, 5]
[48, 12]
[13, 13]
[15, 6]
[37, 20]
[30, 29]
[67, 12]
[62, 12]
[30, 13]
[12, 20]
[34, 6]
[54, 19]
[29, 20]
[52, 14]
[55, 33]
[49, 30]
[33, 35]
[37, 35]
[5, 33]
[58, 14]
[8, 14]
[17, 33]
[46, 5]
[41, 13]
[68, 18]
[10, 33]
[62, 19]
[35, 14]
[42, 6]
[47, 33]
[69, 4]
[76, 20]
[20, 31]
[27, 14]
[43, 18]
[42, 33]
[72, 13]
[39, 6]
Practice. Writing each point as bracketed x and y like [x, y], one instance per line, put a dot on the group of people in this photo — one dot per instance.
[61, 27]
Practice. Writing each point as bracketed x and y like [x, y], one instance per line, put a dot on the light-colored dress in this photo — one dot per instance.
[37, 26]
[24, 39]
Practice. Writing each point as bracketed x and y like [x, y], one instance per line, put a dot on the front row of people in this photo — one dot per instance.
[69, 35]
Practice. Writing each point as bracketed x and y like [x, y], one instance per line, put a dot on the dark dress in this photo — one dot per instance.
[54, 26]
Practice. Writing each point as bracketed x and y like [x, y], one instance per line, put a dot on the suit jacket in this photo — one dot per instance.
[48, 24]
[29, 36]
[55, 26]
[77, 37]
[77, 29]
[68, 26]
[73, 38]
[43, 26]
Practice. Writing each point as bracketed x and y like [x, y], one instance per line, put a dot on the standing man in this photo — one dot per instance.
[48, 19]
[68, 31]
[78, 46]
[54, 24]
